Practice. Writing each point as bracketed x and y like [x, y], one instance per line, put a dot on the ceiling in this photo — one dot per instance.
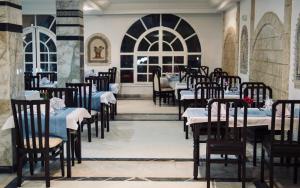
[99, 7]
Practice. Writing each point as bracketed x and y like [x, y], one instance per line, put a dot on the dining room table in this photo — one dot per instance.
[197, 117]
[63, 123]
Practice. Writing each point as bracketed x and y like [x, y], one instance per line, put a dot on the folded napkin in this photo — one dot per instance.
[45, 81]
[57, 103]
[214, 109]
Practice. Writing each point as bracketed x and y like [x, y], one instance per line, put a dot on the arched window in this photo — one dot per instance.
[163, 40]
[39, 41]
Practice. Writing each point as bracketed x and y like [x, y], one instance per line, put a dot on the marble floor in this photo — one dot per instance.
[145, 154]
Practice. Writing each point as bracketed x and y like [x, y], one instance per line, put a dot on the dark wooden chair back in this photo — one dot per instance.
[231, 81]
[32, 129]
[231, 131]
[287, 122]
[208, 90]
[52, 76]
[28, 74]
[84, 99]
[107, 74]
[113, 72]
[181, 70]
[101, 82]
[251, 84]
[218, 70]
[31, 82]
[214, 75]
[258, 93]
[203, 70]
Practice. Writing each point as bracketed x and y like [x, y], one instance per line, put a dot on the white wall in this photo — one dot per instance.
[39, 7]
[264, 6]
[230, 19]
[293, 92]
[207, 26]
[245, 19]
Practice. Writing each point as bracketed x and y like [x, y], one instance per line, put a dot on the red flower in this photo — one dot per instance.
[248, 100]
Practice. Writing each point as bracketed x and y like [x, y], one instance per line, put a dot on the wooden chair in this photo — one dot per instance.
[218, 70]
[203, 70]
[160, 91]
[214, 75]
[287, 143]
[233, 142]
[101, 82]
[229, 81]
[113, 72]
[31, 82]
[107, 74]
[249, 84]
[52, 76]
[258, 92]
[33, 142]
[85, 101]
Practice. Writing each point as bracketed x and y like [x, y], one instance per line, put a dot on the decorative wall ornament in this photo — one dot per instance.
[98, 49]
[244, 51]
[229, 55]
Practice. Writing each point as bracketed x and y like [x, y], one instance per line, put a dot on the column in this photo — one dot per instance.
[69, 36]
[11, 72]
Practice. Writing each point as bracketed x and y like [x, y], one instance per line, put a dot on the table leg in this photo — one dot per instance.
[78, 144]
[107, 117]
[179, 104]
[196, 150]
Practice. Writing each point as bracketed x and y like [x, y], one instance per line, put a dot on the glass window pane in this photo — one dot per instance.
[150, 77]
[193, 44]
[51, 45]
[152, 68]
[28, 58]
[152, 20]
[127, 76]
[43, 48]
[153, 60]
[126, 61]
[168, 36]
[185, 29]
[142, 60]
[52, 57]
[136, 29]
[28, 37]
[167, 47]
[44, 67]
[127, 44]
[169, 20]
[178, 60]
[44, 20]
[44, 57]
[43, 37]
[177, 46]
[167, 60]
[143, 46]
[28, 67]
[142, 77]
[53, 67]
[28, 48]
[142, 69]
[153, 36]
[194, 60]
[167, 69]
[154, 47]
[27, 20]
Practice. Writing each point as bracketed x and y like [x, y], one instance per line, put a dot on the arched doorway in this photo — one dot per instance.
[229, 55]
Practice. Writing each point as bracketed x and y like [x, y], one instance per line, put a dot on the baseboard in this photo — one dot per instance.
[134, 96]
[7, 169]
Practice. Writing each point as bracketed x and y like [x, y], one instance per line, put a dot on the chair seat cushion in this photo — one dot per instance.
[167, 89]
[53, 142]
[164, 82]
[225, 147]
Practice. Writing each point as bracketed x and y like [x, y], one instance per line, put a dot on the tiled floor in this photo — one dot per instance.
[145, 154]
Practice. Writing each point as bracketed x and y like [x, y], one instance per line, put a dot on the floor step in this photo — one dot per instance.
[146, 117]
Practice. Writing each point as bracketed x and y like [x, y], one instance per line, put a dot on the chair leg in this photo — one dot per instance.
[73, 149]
[295, 170]
[96, 124]
[207, 169]
[244, 171]
[31, 160]
[47, 170]
[271, 171]
[62, 166]
[239, 167]
[107, 118]
[262, 168]
[89, 132]
[19, 170]
[186, 132]
[159, 100]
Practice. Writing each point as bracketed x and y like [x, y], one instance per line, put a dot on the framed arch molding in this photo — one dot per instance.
[98, 49]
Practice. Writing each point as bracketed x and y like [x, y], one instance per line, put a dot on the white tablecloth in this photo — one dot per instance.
[114, 87]
[188, 94]
[51, 85]
[32, 95]
[72, 118]
[108, 98]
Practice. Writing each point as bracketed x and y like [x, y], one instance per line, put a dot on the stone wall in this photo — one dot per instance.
[266, 63]
[229, 52]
